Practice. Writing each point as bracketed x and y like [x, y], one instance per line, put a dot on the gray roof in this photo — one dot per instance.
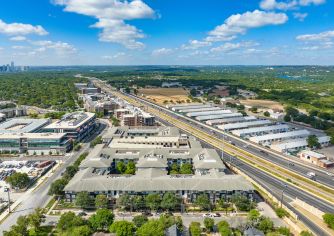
[86, 180]
[137, 131]
[23, 125]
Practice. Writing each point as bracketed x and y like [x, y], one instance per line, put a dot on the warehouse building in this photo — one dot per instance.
[152, 174]
[315, 158]
[230, 120]
[270, 138]
[206, 113]
[240, 125]
[188, 106]
[297, 144]
[257, 131]
[212, 117]
[199, 109]
[77, 125]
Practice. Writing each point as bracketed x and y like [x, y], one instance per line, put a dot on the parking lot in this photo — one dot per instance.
[33, 168]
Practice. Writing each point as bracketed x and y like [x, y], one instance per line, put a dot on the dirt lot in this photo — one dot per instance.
[262, 104]
[159, 95]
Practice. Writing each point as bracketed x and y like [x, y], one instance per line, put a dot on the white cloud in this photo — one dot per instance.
[300, 16]
[240, 23]
[60, 48]
[195, 44]
[287, 5]
[18, 38]
[323, 36]
[228, 47]
[309, 2]
[21, 29]
[117, 55]
[273, 4]
[19, 47]
[162, 51]
[111, 15]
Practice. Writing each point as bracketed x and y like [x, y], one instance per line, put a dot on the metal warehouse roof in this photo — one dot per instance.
[210, 117]
[255, 130]
[200, 109]
[244, 124]
[204, 113]
[230, 120]
[284, 135]
[297, 143]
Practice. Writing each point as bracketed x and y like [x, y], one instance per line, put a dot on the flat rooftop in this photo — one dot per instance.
[23, 125]
[71, 121]
[32, 135]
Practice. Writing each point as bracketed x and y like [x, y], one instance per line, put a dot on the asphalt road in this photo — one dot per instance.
[40, 197]
[297, 167]
[273, 185]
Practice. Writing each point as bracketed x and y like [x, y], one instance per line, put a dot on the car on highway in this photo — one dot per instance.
[329, 173]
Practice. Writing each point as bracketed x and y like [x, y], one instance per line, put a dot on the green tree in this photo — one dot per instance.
[151, 228]
[101, 220]
[96, 141]
[124, 201]
[284, 231]
[280, 212]
[69, 220]
[242, 202]
[170, 201]
[57, 187]
[305, 233]
[18, 180]
[266, 114]
[209, 223]
[266, 225]
[224, 228]
[101, 201]
[123, 228]
[139, 220]
[153, 201]
[195, 229]
[186, 168]
[130, 168]
[329, 219]
[313, 141]
[20, 228]
[174, 169]
[83, 200]
[36, 218]
[203, 202]
[83, 230]
[70, 172]
[138, 202]
[253, 215]
[120, 167]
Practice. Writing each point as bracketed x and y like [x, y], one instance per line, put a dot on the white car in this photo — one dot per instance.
[329, 173]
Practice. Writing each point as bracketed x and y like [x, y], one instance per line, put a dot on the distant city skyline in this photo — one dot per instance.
[157, 32]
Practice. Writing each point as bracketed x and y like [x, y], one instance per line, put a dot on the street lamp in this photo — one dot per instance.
[285, 187]
[6, 189]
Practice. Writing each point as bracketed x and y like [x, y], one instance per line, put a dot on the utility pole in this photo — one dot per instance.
[8, 194]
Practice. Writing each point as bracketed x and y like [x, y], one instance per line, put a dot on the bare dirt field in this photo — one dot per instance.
[159, 95]
[262, 104]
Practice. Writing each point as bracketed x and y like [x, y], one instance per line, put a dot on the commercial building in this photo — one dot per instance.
[230, 120]
[13, 112]
[269, 138]
[152, 174]
[240, 125]
[262, 130]
[187, 110]
[188, 106]
[297, 144]
[219, 116]
[315, 158]
[77, 125]
[18, 125]
[34, 143]
[99, 103]
[206, 113]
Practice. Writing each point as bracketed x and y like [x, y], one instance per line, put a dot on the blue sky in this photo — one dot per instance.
[187, 32]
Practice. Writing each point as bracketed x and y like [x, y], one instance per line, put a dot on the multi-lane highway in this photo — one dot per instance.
[271, 183]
